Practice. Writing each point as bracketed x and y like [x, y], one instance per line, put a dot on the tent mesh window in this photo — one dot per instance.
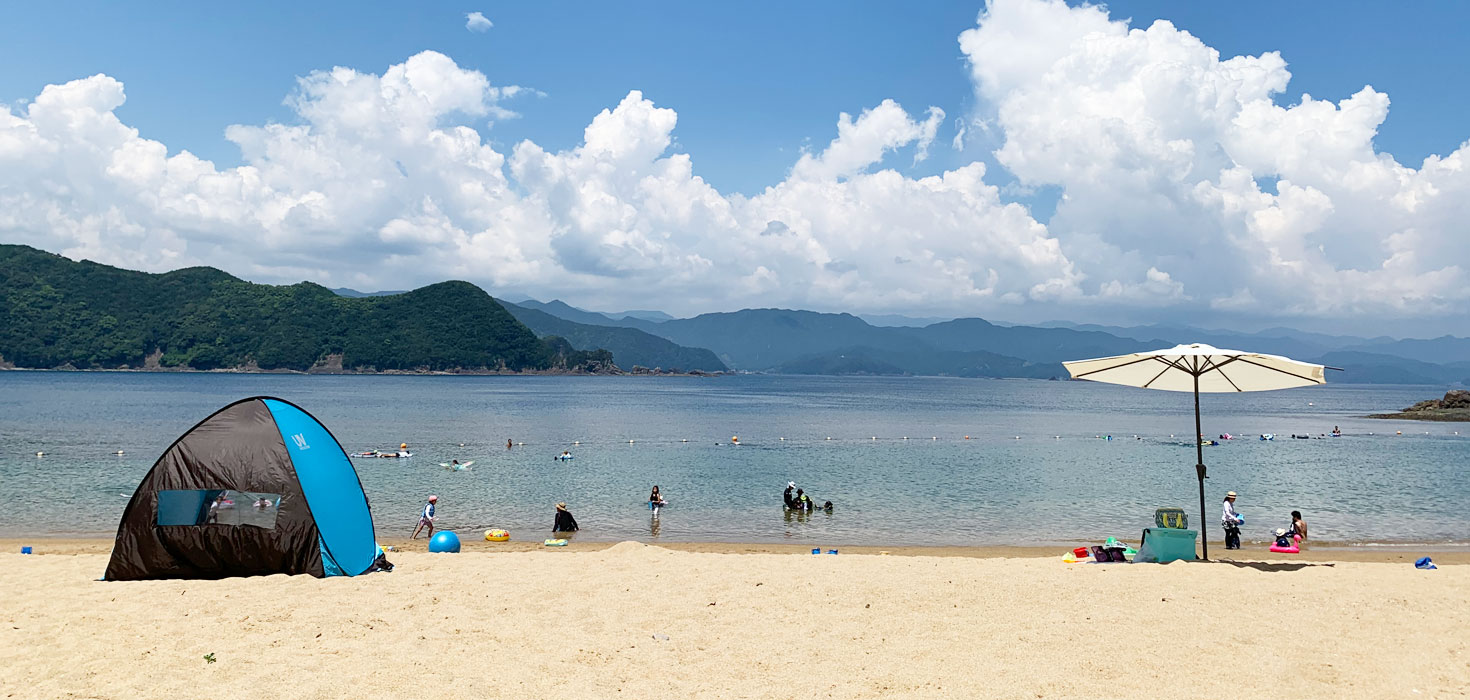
[197, 507]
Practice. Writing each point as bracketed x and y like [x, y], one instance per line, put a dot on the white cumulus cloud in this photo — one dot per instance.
[477, 22]
[1160, 146]
[1184, 182]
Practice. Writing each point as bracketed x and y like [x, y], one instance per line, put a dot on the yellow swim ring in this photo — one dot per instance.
[496, 535]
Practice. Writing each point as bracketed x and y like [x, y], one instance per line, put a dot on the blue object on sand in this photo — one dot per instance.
[445, 541]
[1425, 563]
[25, 550]
[831, 551]
[817, 550]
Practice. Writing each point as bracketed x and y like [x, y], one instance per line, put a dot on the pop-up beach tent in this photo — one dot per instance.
[259, 487]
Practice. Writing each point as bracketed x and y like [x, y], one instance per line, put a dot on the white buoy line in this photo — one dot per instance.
[878, 438]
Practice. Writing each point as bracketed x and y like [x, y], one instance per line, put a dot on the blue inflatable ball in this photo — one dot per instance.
[444, 542]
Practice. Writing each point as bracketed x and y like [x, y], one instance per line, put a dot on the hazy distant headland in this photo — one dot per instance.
[62, 314]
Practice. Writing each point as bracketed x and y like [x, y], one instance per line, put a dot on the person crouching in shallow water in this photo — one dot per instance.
[1230, 520]
[1298, 527]
[803, 501]
[564, 520]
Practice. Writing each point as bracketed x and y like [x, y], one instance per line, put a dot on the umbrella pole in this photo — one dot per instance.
[1199, 469]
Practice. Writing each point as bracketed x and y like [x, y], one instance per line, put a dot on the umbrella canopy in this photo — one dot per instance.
[1196, 368]
[1219, 371]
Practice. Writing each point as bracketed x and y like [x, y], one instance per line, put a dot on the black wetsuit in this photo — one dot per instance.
[790, 502]
[564, 522]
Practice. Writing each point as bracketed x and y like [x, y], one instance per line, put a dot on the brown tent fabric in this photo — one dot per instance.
[238, 448]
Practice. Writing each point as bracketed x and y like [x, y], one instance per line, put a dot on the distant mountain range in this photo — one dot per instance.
[61, 313]
[808, 342]
[630, 347]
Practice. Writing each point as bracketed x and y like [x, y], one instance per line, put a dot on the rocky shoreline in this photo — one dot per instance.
[1455, 407]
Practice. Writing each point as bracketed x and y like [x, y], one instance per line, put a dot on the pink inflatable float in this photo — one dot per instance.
[1286, 550]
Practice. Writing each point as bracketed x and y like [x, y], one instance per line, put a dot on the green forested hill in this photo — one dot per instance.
[59, 312]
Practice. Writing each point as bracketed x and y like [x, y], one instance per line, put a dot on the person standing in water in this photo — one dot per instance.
[787, 497]
[508, 444]
[656, 500]
[426, 518]
[1230, 520]
[564, 520]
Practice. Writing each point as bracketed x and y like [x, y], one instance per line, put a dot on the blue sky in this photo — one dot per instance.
[1103, 176]
[753, 82]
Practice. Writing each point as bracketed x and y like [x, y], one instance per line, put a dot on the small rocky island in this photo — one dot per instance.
[1455, 406]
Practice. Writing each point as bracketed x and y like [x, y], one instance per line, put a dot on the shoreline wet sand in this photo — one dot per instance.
[598, 620]
[1442, 553]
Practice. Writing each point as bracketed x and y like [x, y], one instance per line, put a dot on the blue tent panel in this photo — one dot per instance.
[332, 491]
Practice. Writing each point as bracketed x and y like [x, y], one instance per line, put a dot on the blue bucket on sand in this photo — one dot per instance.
[25, 550]
[817, 550]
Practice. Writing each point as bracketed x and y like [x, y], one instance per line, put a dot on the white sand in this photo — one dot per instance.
[640, 621]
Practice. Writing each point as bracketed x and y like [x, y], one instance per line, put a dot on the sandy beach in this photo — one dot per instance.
[596, 621]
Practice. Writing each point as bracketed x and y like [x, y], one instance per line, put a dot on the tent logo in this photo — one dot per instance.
[300, 441]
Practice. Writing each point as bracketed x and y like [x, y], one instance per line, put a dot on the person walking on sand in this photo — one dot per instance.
[1231, 520]
[564, 520]
[426, 518]
[1298, 527]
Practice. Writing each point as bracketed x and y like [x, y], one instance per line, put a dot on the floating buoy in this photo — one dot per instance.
[967, 437]
[1018, 437]
[1309, 403]
[119, 452]
[735, 439]
[783, 439]
[630, 442]
[1398, 432]
[40, 454]
[829, 437]
[936, 437]
[875, 437]
[461, 444]
[684, 440]
[905, 437]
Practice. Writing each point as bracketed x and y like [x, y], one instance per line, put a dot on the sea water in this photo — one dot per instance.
[905, 461]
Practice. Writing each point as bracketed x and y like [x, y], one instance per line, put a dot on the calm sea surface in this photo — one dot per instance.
[1033, 470]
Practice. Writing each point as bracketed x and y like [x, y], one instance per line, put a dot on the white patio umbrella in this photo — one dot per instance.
[1199, 368]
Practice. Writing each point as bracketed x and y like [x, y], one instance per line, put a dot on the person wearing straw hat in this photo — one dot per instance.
[564, 520]
[1231, 521]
